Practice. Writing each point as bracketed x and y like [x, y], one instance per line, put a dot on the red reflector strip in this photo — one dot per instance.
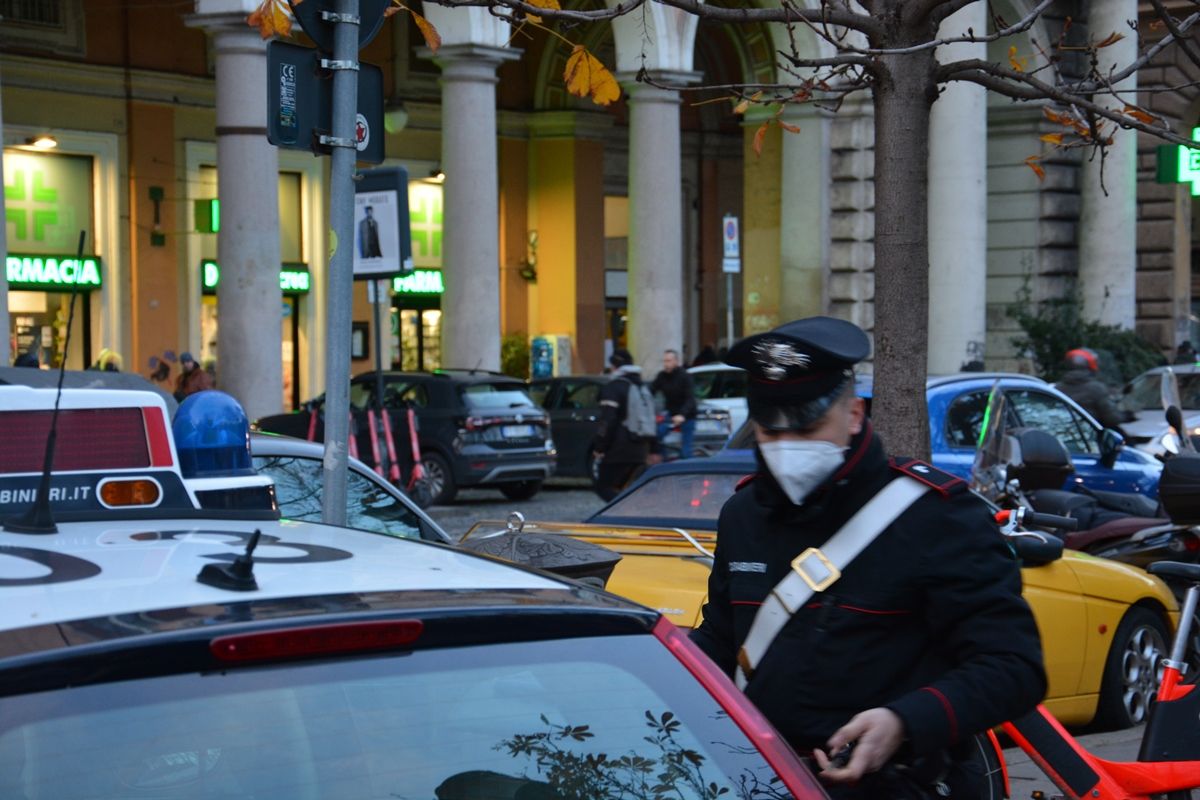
[758, 730]
[88, 439]
[156, 437]
[316, 640]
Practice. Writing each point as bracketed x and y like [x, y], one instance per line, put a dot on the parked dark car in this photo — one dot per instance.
[574, 405]
[474, 428]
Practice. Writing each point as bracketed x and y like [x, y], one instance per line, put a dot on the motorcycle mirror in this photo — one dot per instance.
[1035, 550]
[1169, 391]
[1175, 420]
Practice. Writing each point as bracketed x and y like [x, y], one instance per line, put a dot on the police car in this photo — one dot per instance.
[163, 634]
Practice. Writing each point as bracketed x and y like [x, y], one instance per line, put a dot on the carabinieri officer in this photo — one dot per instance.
[899, 631]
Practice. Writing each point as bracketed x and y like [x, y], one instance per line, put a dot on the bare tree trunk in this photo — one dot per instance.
[903, 97]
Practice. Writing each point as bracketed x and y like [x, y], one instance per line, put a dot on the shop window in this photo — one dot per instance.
[53, 26]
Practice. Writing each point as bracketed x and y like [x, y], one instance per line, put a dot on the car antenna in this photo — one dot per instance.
[236, 577]
[39, 519]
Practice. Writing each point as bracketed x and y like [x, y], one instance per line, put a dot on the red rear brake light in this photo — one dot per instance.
[799, 781]
[316, 640]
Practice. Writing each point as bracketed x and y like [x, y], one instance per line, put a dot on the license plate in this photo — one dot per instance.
[517, 431]
[709, 426]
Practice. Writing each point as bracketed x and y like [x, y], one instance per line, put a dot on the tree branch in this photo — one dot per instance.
[1173, 29]
[788, 14]
[1087, 87]
[1020, 86]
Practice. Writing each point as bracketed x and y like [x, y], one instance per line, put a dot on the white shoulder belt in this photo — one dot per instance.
[815, 570]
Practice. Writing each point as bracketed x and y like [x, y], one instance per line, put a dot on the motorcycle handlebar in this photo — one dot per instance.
[1039, 520]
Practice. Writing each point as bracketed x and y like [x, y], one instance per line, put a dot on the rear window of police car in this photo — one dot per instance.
[588, 717]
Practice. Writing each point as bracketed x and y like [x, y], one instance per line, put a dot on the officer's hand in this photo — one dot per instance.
[677, 419]
[877, 734]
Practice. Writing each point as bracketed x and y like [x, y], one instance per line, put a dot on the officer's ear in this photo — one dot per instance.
[858, 415]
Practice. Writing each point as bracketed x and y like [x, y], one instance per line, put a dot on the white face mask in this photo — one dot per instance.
[801, 465]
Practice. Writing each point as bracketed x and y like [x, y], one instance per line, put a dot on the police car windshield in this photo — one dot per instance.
[493, 396]
[490, 721]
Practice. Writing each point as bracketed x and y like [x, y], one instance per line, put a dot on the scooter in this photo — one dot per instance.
[1023, 468]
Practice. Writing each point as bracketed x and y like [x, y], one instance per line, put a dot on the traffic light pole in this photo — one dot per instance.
[341, 278]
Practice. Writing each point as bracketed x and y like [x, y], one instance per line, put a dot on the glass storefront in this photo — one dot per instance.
[417, 298]
[49, 200]
[294, 280]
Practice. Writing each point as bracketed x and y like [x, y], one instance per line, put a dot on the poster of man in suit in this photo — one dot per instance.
[376, 233]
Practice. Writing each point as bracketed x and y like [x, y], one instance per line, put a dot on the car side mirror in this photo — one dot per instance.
[1111, 444]
[1035, 551]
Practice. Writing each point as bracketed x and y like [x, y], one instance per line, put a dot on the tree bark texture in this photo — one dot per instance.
[903, 97]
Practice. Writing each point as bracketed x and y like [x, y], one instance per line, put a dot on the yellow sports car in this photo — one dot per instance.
[1104, 625]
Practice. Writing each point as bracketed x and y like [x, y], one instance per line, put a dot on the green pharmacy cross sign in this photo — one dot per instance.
[46, 273]
[294, 279]
[1180, 164]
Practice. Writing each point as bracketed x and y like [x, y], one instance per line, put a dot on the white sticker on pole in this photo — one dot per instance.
[732, 262]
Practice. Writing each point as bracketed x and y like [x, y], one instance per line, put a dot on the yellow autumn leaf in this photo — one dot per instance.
[1052, 138]
[585, 76]
[790, 128]
[552, 5]
[1016, 63]
[433, 39]
[1112, 39]
[742, 107]
[759, 136]
[271, 18]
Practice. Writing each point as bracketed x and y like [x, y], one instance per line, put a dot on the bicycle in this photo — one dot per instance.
[1168, 765]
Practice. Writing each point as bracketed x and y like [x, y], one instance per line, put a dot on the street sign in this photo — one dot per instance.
[300, 102]
[732, 262]
[382, 233]
[309, 14]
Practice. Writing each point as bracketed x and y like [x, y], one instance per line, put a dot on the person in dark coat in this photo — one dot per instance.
[1082, 384]
[674, 383]
[621, 457]
[1185, 354]
[28, 359]
[191, 378]
[920, 643]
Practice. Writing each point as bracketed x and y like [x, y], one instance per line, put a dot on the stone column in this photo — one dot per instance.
[5, 326]
[804, 214]
[249, 300]
[1108, 224]
[958, 208]
[655, 223]
[471, 303]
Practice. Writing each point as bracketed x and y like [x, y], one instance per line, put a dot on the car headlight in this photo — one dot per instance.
[1170, 442]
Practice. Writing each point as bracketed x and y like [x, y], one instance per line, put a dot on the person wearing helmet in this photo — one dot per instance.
[1081, 383]
[861, 600]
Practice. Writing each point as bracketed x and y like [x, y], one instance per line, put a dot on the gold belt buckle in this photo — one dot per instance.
[816, 585]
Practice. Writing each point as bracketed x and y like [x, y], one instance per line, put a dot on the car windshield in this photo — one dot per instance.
[694, 498]
[369, 506]
[496, 396]
[1145, 392]
[566, 718]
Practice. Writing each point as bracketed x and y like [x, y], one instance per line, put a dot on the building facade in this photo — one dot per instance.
[536, 214]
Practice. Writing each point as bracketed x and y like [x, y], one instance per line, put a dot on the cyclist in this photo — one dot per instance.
[905, 650]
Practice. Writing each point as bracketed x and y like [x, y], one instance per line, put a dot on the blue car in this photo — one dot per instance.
[956, 408]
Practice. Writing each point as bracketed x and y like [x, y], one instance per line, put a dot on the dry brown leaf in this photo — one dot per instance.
[394, 8]
[790, 128]
[1139, 115]
[585, 76]
[741, 107]
[1032, 163]
[433, 39]
[759, 136]
[271, 18]
[1112, 39]
[1052, 138]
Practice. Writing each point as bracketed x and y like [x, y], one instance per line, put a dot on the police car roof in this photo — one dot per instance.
[97, 569]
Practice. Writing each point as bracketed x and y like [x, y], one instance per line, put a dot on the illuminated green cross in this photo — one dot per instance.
[1180, 164]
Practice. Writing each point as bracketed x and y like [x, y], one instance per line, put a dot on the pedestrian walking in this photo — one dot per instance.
[627, 426]
[1081, 383]
[191, 378]
[674, 383]
[869, 607]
